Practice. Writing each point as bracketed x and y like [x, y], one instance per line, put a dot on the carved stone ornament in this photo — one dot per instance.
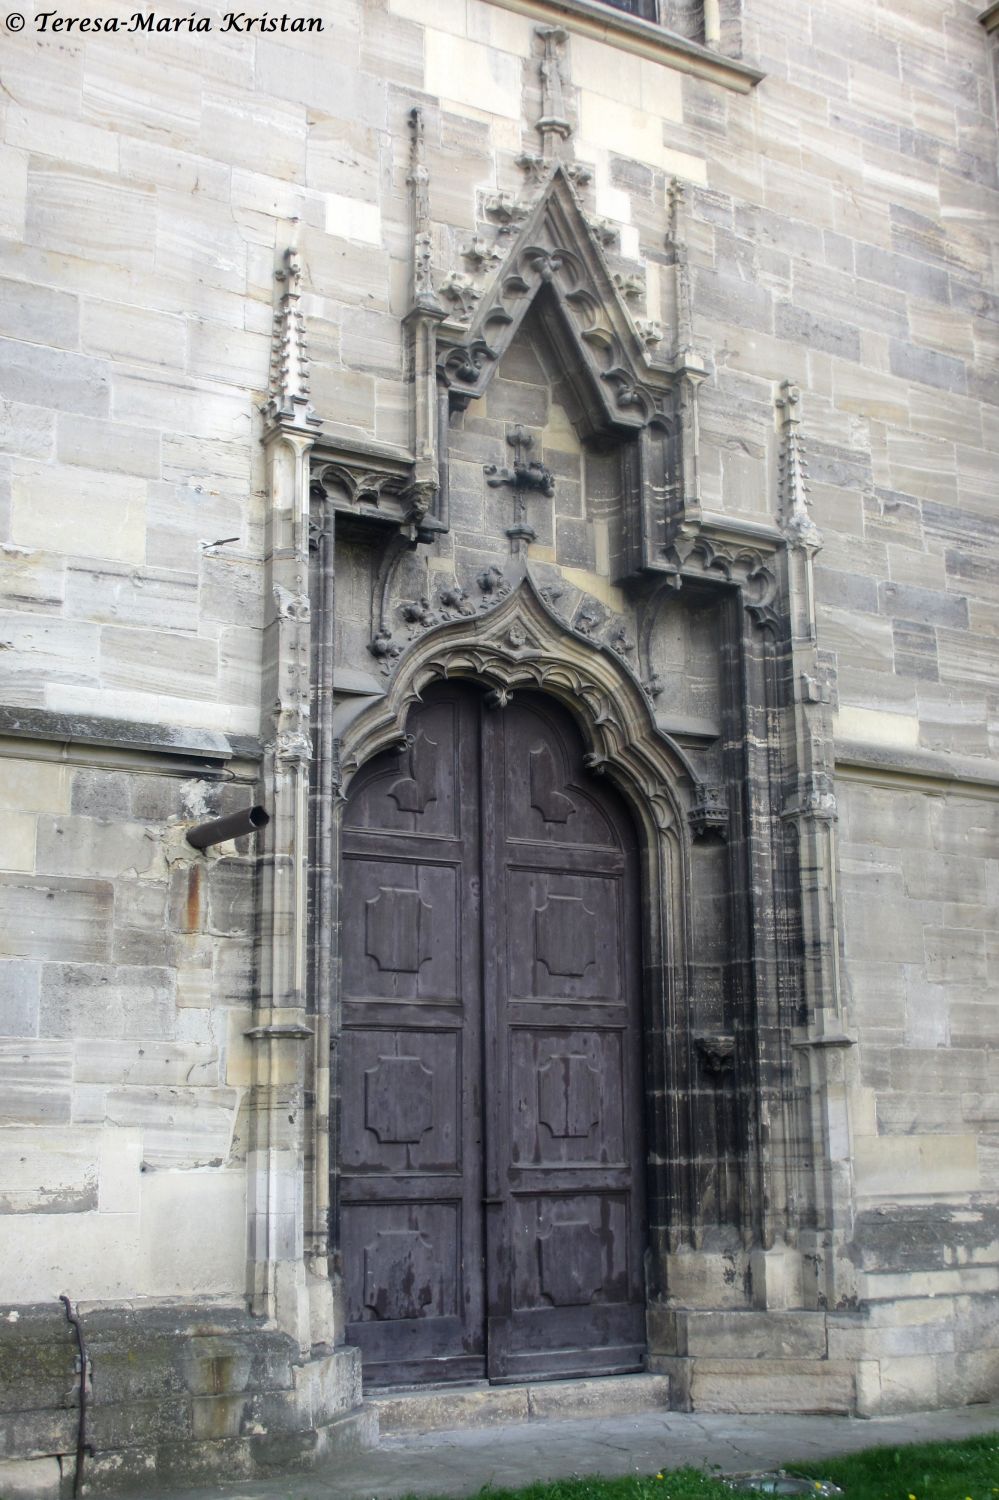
[632, 288]
[649, 331]
[385, 649]
[460, 290]
[710, 812]
[423, 294]
[505, 210]
[796, 523]
[526, 474]
[419, 615]
[554, 122]
[492, 585]
[289, 403]
[292, 742]
[716, 1051]
[455, 601]
[558, 253]
[597, 686]
[479, 253]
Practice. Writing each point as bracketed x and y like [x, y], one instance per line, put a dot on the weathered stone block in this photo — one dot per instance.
[56, 918]
[755, 1335]
[50, 378]
[772, 1385]
[30, 1478]
[103, 1000]
[50, 1172]
[47, 504]
[35, 1082]
[19, 989]
[181, 1127]
[76, 846]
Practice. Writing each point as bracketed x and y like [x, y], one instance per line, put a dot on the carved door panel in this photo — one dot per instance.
[491, 1157]
[411, 1188]
[564, 1166]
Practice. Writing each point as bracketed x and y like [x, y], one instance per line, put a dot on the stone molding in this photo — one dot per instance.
[930, 770]
[643, 38]
[521, 642]
[126, 734]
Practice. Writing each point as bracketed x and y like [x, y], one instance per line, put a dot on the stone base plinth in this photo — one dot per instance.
[176, 1395]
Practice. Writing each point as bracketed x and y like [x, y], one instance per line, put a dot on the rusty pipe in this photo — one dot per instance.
[82, 1361]
[203, 835]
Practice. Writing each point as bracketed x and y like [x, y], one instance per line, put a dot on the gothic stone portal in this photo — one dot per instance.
[492, 1192]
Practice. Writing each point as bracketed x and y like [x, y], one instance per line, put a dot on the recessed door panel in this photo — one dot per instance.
[403, 920]
[402, 1093]
[566, 1098]
[564, 936]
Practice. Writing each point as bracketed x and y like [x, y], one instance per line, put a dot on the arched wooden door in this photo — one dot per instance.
[492, 1175]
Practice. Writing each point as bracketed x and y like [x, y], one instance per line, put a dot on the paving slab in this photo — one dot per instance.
[457, 1463]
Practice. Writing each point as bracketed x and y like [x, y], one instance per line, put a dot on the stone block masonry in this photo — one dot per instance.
[168, 1105]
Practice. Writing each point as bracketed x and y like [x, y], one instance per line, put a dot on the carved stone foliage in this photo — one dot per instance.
[721, 553]
[423, 294]
[558, 249]
[525, 473]
[516, 641]
[353, 483]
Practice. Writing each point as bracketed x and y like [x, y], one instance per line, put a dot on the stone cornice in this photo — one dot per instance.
[66, 730]
[644, 38]
[929, 770]
[989, 18]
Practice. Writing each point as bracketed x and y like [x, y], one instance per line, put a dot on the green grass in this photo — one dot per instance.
[965, 1470]
[676, 1484]
[929, 1471]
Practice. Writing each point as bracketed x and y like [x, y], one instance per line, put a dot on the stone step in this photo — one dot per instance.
[407, 1410]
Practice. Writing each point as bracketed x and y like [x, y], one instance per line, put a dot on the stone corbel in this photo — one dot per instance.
[710, 812]
[716, 1051]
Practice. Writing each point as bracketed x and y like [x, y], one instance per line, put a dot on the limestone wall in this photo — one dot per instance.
[126, 988]
[841, 219]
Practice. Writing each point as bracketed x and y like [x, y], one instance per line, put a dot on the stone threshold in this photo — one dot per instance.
[404, 1411]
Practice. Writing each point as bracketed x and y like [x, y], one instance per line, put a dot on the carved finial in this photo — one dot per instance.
[676, 194]
[419, 180]
[553, 125]
[795, 521]
[288, 403]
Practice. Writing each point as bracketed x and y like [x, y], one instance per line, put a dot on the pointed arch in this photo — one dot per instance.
[557, 267]
[521, 642]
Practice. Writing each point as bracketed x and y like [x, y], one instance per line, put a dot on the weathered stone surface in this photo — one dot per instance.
[101, 1000]
[836, 228]
[56, 918]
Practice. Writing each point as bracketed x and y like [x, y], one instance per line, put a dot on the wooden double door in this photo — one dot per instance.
[491, 1158]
